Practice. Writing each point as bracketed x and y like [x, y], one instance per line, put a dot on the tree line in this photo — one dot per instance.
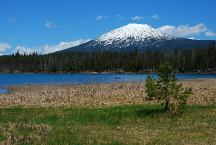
[186, 60]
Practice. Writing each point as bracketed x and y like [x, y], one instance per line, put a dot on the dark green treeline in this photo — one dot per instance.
[186, 60]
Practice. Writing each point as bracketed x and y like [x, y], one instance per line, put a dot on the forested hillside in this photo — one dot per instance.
[186, 60]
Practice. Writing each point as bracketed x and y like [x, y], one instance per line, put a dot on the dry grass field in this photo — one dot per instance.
[204, 93]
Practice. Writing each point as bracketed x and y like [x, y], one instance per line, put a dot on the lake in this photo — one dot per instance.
[25, 79]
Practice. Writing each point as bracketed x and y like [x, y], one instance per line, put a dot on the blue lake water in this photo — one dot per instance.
[24, 79]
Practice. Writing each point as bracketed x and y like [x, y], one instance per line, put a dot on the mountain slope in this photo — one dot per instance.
[138, 36]
[138, 32]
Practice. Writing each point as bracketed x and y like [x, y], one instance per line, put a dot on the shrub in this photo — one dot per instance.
[166, 91]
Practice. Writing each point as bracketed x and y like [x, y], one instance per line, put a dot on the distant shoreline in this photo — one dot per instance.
[201, 73]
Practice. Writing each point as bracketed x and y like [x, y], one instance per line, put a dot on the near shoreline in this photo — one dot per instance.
[98, 95]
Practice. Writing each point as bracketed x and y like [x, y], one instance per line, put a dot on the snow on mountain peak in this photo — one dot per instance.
[138, 32]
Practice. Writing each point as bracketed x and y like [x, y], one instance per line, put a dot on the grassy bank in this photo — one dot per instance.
[133, 124]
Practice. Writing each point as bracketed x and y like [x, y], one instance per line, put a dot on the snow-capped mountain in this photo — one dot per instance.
[138, 32]
[138, 36]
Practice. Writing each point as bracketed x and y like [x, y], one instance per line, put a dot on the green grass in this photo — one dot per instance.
[133, 124]
[2, 138]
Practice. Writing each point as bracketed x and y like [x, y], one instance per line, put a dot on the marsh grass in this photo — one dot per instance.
[130, 124]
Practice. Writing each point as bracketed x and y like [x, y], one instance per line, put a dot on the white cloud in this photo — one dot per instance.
[4, 47]
[44, 49]
[210, 34]
[62, 46]
[155, 16]
[23, 50]
[137, 18]
[119, 17]
[193, 38]
[186, 30]
[167, 29]
[49, 24]
[100, 17]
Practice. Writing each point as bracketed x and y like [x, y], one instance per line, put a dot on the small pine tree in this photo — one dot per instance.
[166, 90]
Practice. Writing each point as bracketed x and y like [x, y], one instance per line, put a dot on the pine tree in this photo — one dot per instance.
[165, 90]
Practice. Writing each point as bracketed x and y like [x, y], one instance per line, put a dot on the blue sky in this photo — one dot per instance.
[49, 25]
